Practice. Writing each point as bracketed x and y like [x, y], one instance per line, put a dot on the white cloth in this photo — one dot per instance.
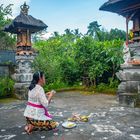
[37, 96]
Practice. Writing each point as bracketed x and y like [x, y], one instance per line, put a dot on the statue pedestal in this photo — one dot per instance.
[23, 75]
[21, 90]
[24, 26]
[129, 88]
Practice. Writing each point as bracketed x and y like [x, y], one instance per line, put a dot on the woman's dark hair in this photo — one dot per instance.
[36, 76]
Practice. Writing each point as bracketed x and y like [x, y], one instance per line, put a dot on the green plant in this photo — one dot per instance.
[7, 41]
[6, 86]
[101, 87]
[72, 58]
[55, 85]
[107, 88]
[113, 83]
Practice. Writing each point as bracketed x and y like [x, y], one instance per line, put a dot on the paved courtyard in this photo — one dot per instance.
[108, 121]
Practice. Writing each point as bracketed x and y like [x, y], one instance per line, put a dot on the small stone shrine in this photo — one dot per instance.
[24, 25]
[129, 75]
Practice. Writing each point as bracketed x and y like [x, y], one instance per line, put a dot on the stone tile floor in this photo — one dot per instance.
[109, 121]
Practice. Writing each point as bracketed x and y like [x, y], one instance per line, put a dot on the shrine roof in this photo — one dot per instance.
[25, 21]
[122, 7]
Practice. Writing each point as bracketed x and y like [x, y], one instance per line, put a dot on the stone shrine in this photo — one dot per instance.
[129, 75]
[24, 25]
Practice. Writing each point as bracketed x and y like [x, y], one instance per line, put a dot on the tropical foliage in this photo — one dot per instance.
[72, 58]
[7, 40]
[6, 87]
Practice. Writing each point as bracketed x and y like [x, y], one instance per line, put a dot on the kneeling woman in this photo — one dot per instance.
[36, 112]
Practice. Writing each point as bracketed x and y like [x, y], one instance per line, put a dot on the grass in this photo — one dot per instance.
[103, 89]
[110, 91]
[7, 100]
[74, 88]
[89, 91]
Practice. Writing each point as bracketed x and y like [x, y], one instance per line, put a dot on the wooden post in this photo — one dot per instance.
[127, 21]
[128, 18]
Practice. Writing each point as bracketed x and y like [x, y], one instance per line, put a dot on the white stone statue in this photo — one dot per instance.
[126, 53]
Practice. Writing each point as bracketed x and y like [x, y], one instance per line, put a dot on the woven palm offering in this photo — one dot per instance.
[135, 62]
[77, 117]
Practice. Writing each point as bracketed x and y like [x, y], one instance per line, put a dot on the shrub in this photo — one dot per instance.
[107, 88]
[113, 83]
[6, 87]
[55, 85]
[101, 87]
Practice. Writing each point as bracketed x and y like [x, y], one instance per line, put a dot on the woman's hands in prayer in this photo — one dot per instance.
[50, 95]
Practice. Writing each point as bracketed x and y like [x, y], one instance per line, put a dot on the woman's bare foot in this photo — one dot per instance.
[28, 128]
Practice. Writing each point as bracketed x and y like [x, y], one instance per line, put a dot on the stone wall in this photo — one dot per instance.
[7, 62]
[7, 56]
[4, 70]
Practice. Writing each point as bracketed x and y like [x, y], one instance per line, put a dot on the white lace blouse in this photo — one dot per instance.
[36, 96]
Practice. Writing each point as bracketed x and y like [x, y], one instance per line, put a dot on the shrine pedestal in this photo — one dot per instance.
[21, 90]
[23, 75]
[24, 26]
[129, 88]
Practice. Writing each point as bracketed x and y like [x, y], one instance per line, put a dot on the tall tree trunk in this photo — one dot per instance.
[113, 73]
[91, 82]
[94, 81]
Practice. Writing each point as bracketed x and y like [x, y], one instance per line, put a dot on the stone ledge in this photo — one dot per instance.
[129, 99]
